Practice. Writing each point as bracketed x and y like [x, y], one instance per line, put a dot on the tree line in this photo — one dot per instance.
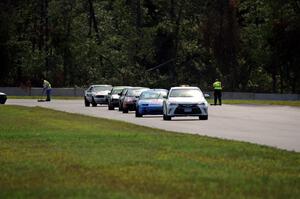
[250, 45]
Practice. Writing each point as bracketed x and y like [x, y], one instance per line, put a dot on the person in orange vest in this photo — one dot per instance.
[217, 92]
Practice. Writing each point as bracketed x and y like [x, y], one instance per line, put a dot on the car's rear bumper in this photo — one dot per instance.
[101, 99]
[156, 110]
[3, 98]
[114, 102]
[129, 106]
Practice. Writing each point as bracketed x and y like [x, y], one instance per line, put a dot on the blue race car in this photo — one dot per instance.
[150, 102]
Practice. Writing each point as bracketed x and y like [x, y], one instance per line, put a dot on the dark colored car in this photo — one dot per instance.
[130, 98]
[122, 97]
[114, 96]
[3, 98]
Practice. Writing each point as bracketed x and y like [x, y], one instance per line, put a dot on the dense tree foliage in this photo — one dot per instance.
[251, 45]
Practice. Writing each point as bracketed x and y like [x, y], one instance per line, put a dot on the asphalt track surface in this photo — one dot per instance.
[276, 126]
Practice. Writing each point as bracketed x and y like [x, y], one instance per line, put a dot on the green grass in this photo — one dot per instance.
[261, 102]
[50, 154]
[44, 97]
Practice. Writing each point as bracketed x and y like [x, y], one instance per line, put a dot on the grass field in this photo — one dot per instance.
[263, 102]
[44, 97]
[50, 154]
[260, 102]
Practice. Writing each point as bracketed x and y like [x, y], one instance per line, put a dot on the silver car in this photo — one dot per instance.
[185, 101]
[96, 94]
[130, 98]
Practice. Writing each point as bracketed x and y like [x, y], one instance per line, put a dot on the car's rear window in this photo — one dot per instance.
[150, 95]
[102, 88]
[186, 93]
[116, 91]
[134, 93]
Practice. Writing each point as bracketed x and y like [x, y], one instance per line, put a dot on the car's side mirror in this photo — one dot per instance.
[165, 97]
[109, 93]
[206, 95]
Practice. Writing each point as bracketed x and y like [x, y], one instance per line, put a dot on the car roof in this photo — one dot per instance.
[156, 90]
[104, 85]
[138, 88]
[122, 87]
[185, 87]
[126, 88]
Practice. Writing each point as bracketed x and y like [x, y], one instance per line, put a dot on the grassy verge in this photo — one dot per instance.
[50, 154]
[261, 102]
[44, 97]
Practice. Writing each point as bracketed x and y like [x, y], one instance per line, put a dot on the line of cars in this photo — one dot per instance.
[178, 101]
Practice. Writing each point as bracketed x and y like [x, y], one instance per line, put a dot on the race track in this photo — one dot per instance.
[277, 126]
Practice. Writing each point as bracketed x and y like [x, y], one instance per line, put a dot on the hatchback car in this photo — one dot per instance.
[150, 102]
[114, 96]
[96, 94]
[131, 96]
[185, 101]
[3, 98]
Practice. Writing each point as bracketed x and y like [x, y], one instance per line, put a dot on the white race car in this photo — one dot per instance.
[96, 94]
[185, 101]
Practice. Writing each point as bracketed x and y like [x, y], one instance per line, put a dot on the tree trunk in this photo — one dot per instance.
[138, 16]
[41, 26]
[46, 30]
[94, 20]
[294, 82]
[281, 80]
[274, 82]
[90, 21]
[174, 35]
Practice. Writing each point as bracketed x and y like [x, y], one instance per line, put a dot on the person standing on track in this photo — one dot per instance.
[217, 92]
[47, 88]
